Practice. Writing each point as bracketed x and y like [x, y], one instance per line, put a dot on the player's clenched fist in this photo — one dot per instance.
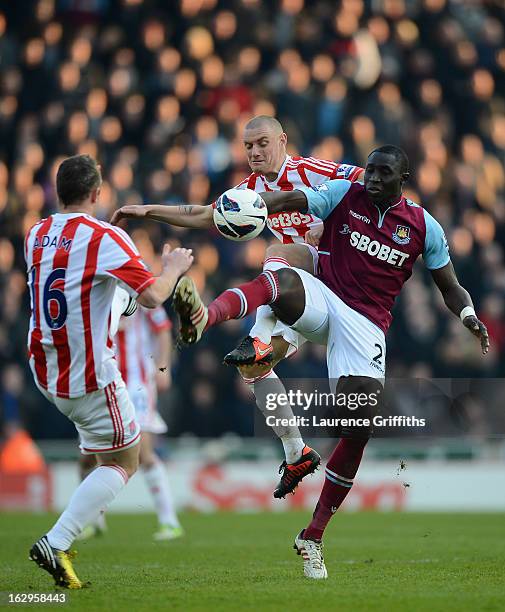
[133, 211]
[178, 260]
[478, 329]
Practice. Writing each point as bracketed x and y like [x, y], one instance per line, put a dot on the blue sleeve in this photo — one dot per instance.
[436, 250]
[325, 197]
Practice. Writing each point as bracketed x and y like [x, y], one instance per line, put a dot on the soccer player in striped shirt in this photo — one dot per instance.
[75, 263]
[270, 340]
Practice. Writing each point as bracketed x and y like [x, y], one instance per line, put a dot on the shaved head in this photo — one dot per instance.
[265, 145]
[265, 121]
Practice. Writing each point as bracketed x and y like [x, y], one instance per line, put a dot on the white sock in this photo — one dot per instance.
[289, 435]
[293, 448]
[265, 319]
[90, 498]
[157, 482]
[100, 522]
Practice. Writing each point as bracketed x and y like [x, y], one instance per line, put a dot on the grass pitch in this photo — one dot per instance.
[404, 562]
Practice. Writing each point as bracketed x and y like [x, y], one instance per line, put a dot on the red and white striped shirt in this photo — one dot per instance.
[136, 345]
[74, 264]
[298, 172]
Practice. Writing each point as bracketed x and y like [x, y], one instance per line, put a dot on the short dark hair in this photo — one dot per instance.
[398, 153]
[76, 178]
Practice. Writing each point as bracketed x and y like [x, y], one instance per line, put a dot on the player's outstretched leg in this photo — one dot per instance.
[235, 303]
[284, 289]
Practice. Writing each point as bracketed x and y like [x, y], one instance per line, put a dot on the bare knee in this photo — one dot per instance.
[277, 250]
[297, 255]
[147, 457]
[127, 459]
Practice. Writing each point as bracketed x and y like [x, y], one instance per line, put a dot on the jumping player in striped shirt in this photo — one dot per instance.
[298, 233]
[372, 237]
[75, 263]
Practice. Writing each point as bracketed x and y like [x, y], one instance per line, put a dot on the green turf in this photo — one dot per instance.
[390, 562]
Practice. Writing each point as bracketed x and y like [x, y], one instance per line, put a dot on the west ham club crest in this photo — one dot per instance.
[402, 234]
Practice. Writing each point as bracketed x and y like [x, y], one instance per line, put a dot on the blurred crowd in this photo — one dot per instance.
[159, 92]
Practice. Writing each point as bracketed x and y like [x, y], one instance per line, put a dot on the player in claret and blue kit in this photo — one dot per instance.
[269, 341]
[372, 237]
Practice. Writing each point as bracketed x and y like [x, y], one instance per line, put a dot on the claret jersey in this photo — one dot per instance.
[365, 254]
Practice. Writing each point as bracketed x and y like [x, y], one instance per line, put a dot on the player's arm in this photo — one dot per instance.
[319, 201]
[192, 216]
[174, 263]
[119, 259]
[285, 201]
[458, 301]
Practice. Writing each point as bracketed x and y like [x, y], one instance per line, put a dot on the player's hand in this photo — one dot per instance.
[479, 330]
[178, 260]
[313, 236]
[133, 211]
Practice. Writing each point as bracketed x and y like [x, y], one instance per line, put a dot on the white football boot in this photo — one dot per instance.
[312, 555]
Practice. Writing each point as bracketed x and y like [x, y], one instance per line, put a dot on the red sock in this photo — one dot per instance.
[339, 473]
[240, 301]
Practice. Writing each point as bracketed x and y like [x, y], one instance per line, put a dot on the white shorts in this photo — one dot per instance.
[292, 337]
[144, 399]
[104, 419]
[355, 345]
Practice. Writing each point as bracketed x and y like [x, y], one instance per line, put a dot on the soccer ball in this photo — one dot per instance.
[240, 214]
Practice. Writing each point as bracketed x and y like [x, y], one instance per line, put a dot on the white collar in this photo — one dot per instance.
[280, 173]
[69, 215]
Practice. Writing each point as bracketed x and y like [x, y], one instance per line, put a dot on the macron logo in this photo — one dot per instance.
[360, 217]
